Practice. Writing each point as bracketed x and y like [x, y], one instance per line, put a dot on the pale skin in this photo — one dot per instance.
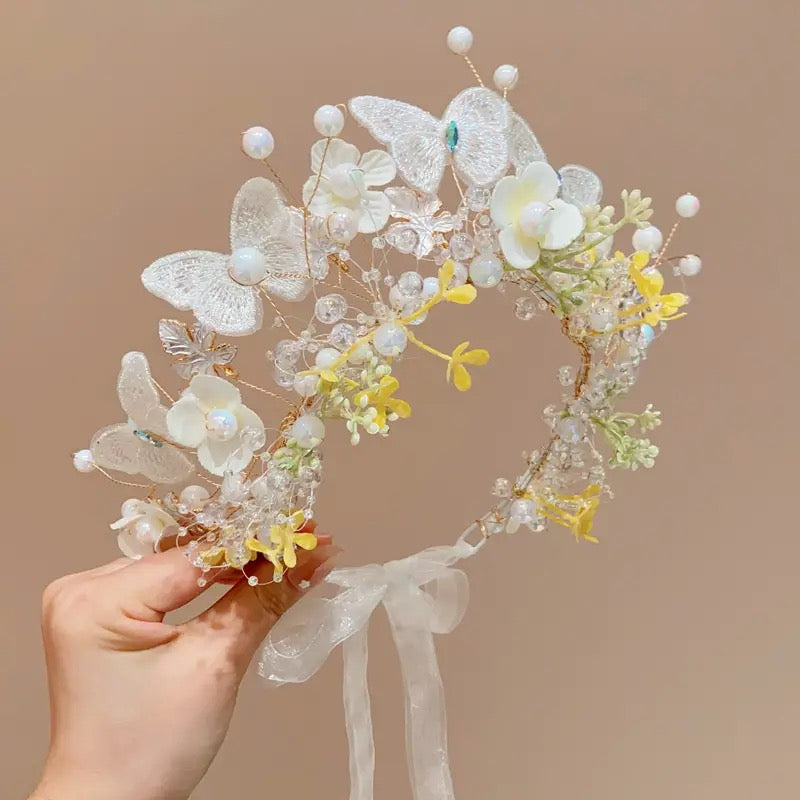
[139, 707]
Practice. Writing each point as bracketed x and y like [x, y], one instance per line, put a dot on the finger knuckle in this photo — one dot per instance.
[64, 601]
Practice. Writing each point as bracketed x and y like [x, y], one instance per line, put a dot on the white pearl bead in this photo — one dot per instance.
[648, 239]
[343, 225]
[326, 357]
[486, 270]
[247, 265]
[505, 77]
[258, 143]
[690, 265]
[390, 339]
[531, 217]
[459, 40]
[308, 430]
[306, 385]
[329, 120]
[83, 461]
[194, 496]
[221, 424]
[687, 205]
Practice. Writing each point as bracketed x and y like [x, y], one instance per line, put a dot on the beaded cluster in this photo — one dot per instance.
[371, 250]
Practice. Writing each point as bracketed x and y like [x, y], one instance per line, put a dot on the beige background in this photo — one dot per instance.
[660, 664]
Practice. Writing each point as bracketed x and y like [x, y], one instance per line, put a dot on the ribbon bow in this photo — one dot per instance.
[423, 595]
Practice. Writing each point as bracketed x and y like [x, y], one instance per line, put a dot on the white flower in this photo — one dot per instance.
[344, 179]
[530, 216]
[142, 526]
[210, 416]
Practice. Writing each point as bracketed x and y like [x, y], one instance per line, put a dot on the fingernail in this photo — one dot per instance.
[324, 539]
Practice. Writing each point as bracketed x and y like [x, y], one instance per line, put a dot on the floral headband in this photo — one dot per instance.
[369, 245]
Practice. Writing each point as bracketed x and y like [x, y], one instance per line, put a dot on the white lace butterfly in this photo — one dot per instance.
[579, 185]
[473, 132]
[137, 446]
[200, 281]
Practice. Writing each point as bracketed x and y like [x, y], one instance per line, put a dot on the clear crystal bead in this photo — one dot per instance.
[566, 376]
[330, 308]
[502, 487]
[410, 284]
[485, 241]
[404, 240]
[342, 335]
[525, 308]
[462, 248]
[477, 198]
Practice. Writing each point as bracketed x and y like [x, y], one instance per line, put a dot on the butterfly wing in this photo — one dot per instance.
[414, 138]
[261, 219]
[524, 147]
[164, 464]
[257, 213]
[138, 395]
[228, 307]
[482, 117]
[115, 447]
[580, 186]
[180, 277]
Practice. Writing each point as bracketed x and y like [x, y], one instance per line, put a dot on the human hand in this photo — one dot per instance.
[139, 707]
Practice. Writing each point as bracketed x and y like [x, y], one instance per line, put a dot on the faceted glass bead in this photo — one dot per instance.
[342, 335]
[525, 308]
[462, 247]
[566, 376]
[330, 308]
[410, 284]
[502, 487]
[404, 241]
[478, 198]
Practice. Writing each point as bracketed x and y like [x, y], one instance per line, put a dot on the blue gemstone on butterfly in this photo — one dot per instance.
[148, 438]
[452, 136]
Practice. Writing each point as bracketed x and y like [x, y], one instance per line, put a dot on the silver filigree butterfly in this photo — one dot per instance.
[200, 281]
[473, 132]
[137, 446]
[420, 217]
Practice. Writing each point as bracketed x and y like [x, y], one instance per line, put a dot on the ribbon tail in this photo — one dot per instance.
[426, 724]
[358, 716]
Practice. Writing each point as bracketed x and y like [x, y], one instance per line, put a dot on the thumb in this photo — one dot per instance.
[243, 616]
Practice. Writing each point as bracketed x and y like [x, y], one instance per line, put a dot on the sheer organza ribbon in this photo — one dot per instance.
[423, 594]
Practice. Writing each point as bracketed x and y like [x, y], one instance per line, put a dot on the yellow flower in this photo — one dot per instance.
[580, 518]
[456, 369]
[657, 307]
[221, 556]
[381, 399]
[463, 294]
[284, 538]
